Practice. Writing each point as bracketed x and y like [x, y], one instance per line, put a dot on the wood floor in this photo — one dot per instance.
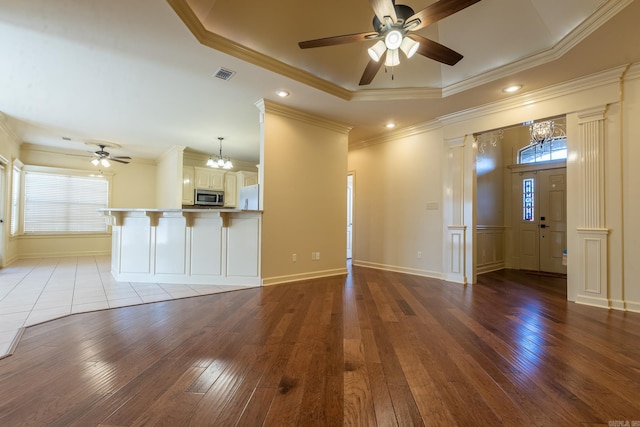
[374, 348]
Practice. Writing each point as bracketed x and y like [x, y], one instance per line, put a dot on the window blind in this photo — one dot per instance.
[55, 203]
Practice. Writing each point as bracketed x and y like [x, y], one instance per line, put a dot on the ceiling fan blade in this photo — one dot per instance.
[371, 70]
[384, 8]
[118, 160]
[439, 10]
[436, 51]
[120, 157]
[335, 40]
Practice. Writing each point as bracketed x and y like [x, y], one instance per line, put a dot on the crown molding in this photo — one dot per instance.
[582, 31]
[8, 130]
[397, 134]
[402, 94]
[222, 44]
[604, 78]
[267, 106]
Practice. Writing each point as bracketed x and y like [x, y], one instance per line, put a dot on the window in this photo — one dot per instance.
[15, 198]
[61, 203]
[528, 197]
[554, 149]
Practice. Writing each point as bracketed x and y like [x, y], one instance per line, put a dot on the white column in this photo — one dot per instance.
[592, 256]
[455, 238]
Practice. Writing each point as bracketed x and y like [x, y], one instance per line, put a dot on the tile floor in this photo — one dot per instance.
[36, 290]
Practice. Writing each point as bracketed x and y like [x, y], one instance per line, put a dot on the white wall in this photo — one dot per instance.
[398, 204]
[603, 191]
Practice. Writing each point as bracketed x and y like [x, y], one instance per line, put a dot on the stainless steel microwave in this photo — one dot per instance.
[208, 197]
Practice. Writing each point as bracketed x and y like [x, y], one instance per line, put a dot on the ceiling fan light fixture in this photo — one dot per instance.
[377, 50]
[393, 58]
[95, 162]
[393, 39]
[105, 163]
[409, 46]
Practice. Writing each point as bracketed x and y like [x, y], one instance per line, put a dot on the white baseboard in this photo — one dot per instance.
[398, 269]
[276, 280]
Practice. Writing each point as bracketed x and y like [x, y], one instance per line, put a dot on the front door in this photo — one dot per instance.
[553, 219]
[542, 220]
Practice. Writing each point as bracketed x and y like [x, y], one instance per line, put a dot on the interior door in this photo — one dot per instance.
[553, 219]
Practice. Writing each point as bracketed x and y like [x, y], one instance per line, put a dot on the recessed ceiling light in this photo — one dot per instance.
[282, 93]
[512, 88]
[390, 125]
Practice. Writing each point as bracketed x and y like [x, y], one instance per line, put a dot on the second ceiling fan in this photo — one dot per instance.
[394, 27]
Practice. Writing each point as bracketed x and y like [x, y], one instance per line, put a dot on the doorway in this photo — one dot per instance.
[350, 215]
[541, 215]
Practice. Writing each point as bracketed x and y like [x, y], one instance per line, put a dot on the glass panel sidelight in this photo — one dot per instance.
[528, 194]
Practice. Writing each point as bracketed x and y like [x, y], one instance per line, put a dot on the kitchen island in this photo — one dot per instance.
[186, 246]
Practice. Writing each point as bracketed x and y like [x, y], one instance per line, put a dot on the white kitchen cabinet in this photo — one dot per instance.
[230, 190]
[209, 179]
[188, 177]
[246, 178]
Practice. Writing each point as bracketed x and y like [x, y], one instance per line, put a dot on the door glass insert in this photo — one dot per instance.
[528, 195]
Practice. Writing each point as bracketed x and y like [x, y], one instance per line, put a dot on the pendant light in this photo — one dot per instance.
[220, 161]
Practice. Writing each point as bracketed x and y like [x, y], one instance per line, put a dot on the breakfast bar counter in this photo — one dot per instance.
[186, 246]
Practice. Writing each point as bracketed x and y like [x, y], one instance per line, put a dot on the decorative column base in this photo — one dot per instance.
[593, 268]
[456, 239]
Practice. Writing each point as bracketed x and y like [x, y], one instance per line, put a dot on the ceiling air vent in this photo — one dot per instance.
[223, 73]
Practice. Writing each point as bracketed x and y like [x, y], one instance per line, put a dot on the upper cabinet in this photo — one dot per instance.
[188, 178]
[246, 178]
[210, 179]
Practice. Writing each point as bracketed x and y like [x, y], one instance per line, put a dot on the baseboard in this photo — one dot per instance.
[63, 254]
[276, 280]
[398, 269]
[592, 301]
[487, 268]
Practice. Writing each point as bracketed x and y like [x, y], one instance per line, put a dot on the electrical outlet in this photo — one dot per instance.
[317, 256]
[313, 256]
[419, 255]
[294, 257]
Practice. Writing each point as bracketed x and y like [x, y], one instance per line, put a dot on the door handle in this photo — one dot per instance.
[543, 226]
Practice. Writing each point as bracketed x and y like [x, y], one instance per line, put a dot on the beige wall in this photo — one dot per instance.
[169, 179]
[304, 189]
[9, 150]
[630, 173]
[398, 204]
[132, 186]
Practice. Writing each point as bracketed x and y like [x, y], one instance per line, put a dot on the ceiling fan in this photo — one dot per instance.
[102, 157]
[394, 26]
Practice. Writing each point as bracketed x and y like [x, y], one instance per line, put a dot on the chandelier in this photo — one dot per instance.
[544, 131]
[484, 140]
[220, 161]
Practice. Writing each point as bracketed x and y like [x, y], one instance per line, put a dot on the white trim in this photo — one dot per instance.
[276, 280]
[398, 269]
[560, 90]
[582, 31]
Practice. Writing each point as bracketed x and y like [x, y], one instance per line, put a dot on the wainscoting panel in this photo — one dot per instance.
[490, 255]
